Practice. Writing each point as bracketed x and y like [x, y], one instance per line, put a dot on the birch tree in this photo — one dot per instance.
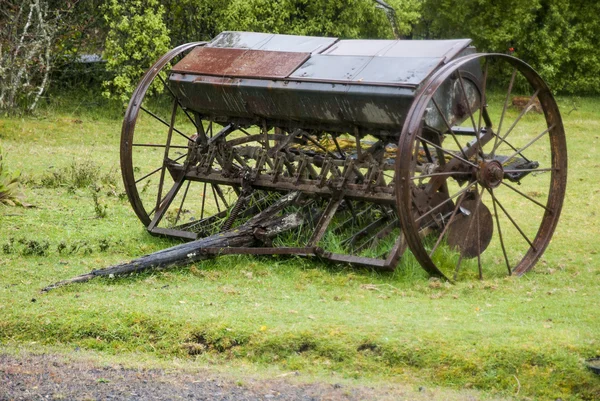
[27, 32]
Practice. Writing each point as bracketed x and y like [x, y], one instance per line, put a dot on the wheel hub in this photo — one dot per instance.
[490, 174]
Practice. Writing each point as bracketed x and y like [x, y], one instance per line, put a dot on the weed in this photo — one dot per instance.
[100, 208]
[9, 246]
[80, 247]
[219, 339]
[9, 186]
[103, 245]
[35, 248]
[75, 176]
[110, 178]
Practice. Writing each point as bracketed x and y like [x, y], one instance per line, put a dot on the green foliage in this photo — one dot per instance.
[139, 30]
[194, 20]
[137, 37]
[9, 186]
[100, 207]
[554, 36]
[76, 175]
[557, 37]
[342, 18]
[191, 20]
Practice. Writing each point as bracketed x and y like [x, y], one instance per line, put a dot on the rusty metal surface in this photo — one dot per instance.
[469, 242]
[377, 109]
[228, 62]
[474, 162]
[317, 117]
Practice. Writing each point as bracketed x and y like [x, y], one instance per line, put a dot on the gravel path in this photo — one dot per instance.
[51, 377]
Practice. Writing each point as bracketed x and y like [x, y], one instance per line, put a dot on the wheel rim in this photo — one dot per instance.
[156, 139]
[162, 153]
[491, 206]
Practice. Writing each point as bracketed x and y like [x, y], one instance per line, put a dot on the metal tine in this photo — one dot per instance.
[325, 219]
[278, 166]
[354, 217]
[365, 230]
[187, 187]
[377, 237]
[301, 169]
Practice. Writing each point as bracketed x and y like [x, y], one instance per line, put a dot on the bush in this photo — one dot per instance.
[137, 37]
[9, 186]
[139, 30]
[557, 37]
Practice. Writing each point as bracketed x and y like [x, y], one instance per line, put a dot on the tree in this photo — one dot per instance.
[557, 37]
[139, 30]
[137, 36]
[194, 20]
[26, 42]
[338, 18]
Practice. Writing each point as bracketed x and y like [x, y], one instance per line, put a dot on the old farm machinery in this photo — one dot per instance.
[380, 144]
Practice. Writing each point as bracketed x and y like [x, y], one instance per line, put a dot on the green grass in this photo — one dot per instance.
[515, 337]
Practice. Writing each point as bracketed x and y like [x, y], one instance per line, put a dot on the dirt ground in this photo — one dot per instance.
[54, 377]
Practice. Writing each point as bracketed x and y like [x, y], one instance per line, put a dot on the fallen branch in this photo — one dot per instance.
[261, 227]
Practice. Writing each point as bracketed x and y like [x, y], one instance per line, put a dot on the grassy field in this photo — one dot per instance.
[525, 337]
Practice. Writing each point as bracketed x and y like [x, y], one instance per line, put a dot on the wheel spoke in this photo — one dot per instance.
[527, 197]
[148, 145]
[444, 174]
[441, 236]
[470, 227]
[203, 201]
[447, 152]
[523, 112]
[480, 200]
[508, 93]
[510, 146]
[491, 191]
[157, 170]
[483, 100]
[464, 93]
[534, 140]
[215, 197]
[221, 195]
[166, 156]
[177, 100]
[187, 187]
[166, 123]
[439, 110]
[514, 223]
[457, 268]
[446, 201]
[530, 170]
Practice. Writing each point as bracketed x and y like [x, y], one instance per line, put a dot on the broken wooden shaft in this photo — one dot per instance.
[258, 229]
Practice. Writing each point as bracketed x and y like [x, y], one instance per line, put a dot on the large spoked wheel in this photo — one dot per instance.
[481, 168]
[159, 142]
